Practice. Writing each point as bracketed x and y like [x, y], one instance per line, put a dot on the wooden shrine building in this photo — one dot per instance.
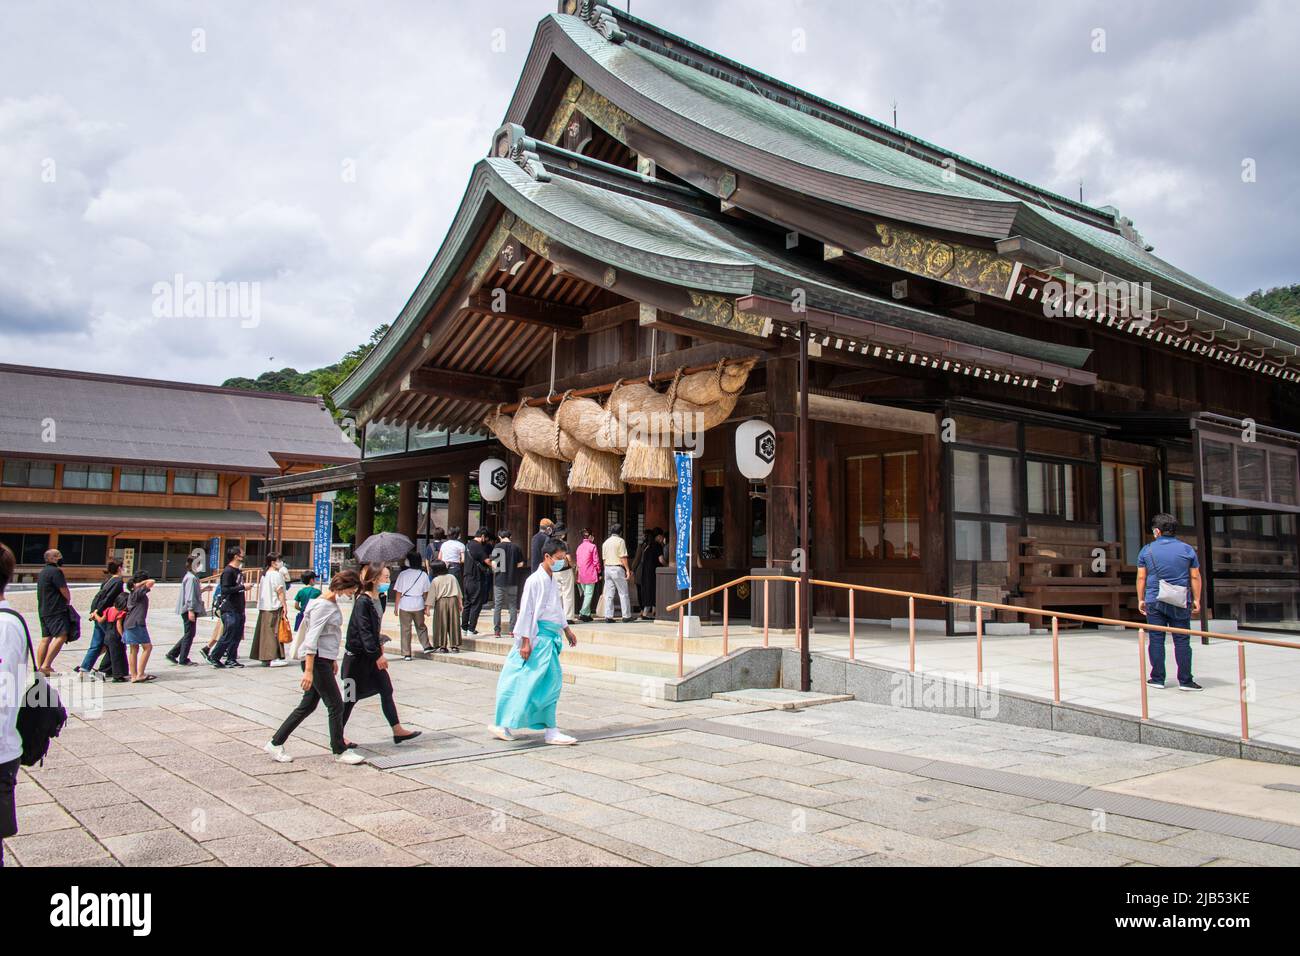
[1004, 384]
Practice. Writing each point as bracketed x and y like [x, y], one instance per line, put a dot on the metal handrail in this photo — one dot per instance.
[914, 596]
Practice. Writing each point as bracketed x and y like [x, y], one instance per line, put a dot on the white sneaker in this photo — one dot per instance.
[280, 663]
[501, 733]
[559, 739]
[350, 757]
[277, 752]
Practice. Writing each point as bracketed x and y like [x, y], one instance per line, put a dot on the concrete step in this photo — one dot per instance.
[603, 657]
[643, 685]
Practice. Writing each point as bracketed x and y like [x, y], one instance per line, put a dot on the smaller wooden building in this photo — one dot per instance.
[99, 465]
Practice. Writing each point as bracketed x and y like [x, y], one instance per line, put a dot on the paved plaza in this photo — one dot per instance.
[172, 773]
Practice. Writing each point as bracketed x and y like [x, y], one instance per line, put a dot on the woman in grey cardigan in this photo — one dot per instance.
[321, 648]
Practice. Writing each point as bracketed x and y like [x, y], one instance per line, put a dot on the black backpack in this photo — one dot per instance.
[100, 603]
[41, 716]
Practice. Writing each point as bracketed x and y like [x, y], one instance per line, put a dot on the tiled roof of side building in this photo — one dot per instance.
[69, 416]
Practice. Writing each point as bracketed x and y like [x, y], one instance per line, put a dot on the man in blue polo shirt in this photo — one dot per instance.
[1169, 593]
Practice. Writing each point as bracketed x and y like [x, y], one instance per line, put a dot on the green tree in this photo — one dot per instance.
[1284, 302]
[322, 382]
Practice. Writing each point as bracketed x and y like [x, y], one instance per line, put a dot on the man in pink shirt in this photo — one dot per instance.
[588, 559]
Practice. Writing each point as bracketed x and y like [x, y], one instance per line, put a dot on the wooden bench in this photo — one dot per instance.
[1054, 575]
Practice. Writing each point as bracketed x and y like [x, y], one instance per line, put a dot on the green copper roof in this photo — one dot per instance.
[749, 117]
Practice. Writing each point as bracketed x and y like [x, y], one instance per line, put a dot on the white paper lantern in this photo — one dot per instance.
[493, 479]
[755, 449]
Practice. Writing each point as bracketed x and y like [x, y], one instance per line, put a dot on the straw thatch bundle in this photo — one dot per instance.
[540, 476]
[596, 472]
[503, 427]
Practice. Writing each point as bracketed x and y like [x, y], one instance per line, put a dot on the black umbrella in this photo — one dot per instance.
[385, 547]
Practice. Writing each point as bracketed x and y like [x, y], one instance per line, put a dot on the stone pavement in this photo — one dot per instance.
[172, 773]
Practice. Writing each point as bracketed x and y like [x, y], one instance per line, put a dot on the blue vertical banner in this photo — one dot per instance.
[214, 555]
[685, 495]
[322, 539]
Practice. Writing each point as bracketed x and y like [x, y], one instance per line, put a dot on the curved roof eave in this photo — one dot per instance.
[988, 216]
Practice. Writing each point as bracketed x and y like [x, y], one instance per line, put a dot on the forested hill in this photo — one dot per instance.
[1284, 302]
[319, 381]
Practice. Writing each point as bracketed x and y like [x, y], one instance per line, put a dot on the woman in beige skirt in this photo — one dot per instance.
[445, 599]
[270, 612]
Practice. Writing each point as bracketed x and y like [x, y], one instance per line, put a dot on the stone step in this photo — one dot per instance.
[603, 657]
[643, 685]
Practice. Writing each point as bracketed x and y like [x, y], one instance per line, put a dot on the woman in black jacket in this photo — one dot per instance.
[364, 663]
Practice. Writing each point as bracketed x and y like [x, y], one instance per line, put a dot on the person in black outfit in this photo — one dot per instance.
[651, 559]
[233, 588]
[54, 607]
[365, 668]
[104, 635]
[544, 529]
[478, 580]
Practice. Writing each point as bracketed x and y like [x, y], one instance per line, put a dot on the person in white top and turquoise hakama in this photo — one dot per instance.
[530, 683]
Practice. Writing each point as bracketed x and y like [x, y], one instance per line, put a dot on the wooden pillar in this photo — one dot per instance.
[584, 511]
[825, 544]
[365, 512]
[408, 508]
[458, 504]
[517, 510]
[739, 511]
[783, 483]
[659, 514]
[934, 557]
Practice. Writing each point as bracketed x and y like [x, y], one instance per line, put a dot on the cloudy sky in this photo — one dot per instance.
[318, 148]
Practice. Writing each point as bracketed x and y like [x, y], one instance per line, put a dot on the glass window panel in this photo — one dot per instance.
[382, 439]
[984, 431]
[966, 481]
[29, 474]
[1183, 502]
[1058, 441]
[1002, 487]
[1216, 468]
[1282, 477]
[902, 501]
[1251, 475]
[183, 483]
[207, 483]
[862, 487]
[1109, 526]
[421, 438]
[1131, 487]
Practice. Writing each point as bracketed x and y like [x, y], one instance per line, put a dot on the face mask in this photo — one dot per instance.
[557, 565]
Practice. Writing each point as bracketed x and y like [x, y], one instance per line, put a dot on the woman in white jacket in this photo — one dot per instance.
[320, 650]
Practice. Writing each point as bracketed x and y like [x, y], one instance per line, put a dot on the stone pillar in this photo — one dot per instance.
[365, 512]
[458, 504]
[408, 508]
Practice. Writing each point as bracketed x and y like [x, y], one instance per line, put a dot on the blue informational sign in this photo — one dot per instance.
[322, 539]
[685, 494]
[214, 555]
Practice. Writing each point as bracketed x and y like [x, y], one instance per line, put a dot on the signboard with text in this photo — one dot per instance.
[322, 539]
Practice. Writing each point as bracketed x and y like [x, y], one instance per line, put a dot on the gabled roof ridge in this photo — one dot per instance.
[660, 41]
[155, 383]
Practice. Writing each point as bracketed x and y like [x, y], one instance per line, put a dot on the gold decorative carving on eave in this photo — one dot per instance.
[966, 266]
[533, 238]
[563, 112]
[604, 114]
[720, 311]
[487, 257]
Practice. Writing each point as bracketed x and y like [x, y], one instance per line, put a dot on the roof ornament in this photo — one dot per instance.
[512, 143]
[597, 16]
